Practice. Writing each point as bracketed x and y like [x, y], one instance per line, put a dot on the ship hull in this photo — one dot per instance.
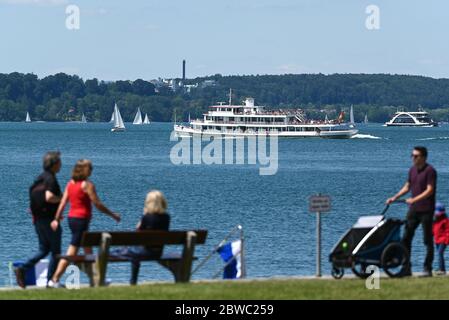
[421, 125]
[184, 131]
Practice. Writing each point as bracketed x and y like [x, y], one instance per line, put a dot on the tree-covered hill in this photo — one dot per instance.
[62, 97]
[319, 89]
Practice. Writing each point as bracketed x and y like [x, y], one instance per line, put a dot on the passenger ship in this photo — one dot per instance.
[252, 120]
[419, 118]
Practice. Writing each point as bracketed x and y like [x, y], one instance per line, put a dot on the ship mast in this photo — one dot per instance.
[230, 97]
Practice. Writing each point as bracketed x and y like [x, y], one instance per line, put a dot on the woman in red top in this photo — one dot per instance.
[80, 192]
[441, 234]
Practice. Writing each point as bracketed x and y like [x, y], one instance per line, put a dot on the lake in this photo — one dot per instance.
[359, 174]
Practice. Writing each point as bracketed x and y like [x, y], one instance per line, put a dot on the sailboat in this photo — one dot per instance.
[326, 119]
[138, 117]
[28, 118]
[118, 121]
[83, 119]
[351, 117]
[146, 120]
[366, 119]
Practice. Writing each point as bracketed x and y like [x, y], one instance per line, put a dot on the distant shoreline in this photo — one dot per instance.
[63, 96]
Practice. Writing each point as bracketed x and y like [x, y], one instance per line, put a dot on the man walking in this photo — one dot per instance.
[422, 182]
[45, 195]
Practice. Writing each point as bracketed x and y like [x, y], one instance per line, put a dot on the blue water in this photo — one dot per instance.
[359, 174]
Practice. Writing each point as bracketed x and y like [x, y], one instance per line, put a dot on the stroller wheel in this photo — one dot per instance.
[359, 270]
[337, 273]
[394, 259]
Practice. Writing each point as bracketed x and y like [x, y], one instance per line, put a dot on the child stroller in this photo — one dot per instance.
[372, 240]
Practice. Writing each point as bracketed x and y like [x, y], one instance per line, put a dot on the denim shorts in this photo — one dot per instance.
[78, 226]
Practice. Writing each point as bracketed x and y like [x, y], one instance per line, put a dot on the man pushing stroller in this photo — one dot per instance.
[422, 183]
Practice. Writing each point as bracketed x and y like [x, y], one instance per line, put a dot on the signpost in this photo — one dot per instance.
[318, 204]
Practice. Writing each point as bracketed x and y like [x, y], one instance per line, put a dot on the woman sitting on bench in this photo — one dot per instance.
[80, 192]
[155, 217]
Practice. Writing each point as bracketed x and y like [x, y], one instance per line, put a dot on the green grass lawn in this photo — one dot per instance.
[408, 288]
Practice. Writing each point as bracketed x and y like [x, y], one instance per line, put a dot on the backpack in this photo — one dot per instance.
[38, 204]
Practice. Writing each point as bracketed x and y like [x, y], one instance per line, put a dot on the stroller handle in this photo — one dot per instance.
[388, 206]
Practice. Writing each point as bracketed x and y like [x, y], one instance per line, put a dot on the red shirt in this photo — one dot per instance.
[80, 204]
[441, 230]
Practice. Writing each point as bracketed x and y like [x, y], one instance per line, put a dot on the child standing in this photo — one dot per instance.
[441, 235]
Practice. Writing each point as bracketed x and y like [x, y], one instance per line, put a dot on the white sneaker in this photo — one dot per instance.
[54, 285]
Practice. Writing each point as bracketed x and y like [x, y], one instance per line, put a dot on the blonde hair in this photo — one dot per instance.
[155, 203]
[82, 170]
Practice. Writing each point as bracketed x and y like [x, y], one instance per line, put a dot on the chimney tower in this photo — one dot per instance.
[183, 72]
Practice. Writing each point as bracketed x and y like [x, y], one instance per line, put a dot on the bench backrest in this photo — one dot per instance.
[142, 238]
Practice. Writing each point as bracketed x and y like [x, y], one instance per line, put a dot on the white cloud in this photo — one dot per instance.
[35, 2]
[67, 70]
[102, 11]
[151, 27]
[199, 66]
[95, 11]
[430, 62]
[291, 68]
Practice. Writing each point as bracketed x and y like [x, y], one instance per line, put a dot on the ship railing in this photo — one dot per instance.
[272, 113]
[310, 122]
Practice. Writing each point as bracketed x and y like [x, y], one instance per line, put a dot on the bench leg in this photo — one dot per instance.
[187, 257]
[89, 269]
[176, 269]
[101, 262]
[182, 269]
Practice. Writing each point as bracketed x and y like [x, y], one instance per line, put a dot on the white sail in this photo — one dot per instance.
[366, 118]
[83, 118]
[112, 117]
[118, 121]
[326, 119]
[351, 115]
[28, 118]
[146, 120]
[351, 118]
[138, 117]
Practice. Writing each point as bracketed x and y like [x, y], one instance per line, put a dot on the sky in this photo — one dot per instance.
[148, 39]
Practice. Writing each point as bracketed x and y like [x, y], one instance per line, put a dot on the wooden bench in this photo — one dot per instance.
[180, 264]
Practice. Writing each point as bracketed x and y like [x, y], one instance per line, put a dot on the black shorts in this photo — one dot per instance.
[78, 226]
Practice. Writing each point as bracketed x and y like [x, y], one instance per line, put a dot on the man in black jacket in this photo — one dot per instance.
[46, 186]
